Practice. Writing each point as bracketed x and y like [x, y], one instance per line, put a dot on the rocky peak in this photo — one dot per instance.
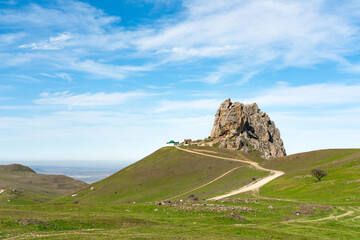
[246, 128]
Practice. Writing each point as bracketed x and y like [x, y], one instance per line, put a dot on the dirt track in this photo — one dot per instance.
[223, 175]
[250, 187]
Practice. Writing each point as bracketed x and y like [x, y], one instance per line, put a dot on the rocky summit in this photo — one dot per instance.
[246, 128]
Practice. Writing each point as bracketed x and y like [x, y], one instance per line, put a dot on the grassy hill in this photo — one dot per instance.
[21, 185]
[293, 206]
[341, 186]
[15, 168]
[166, 173]
[170, 173]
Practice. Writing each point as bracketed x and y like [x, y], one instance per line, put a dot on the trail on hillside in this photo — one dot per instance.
[250, 187]
[330, 217]
[192, 190]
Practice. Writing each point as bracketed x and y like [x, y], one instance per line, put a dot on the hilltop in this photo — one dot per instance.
[15, 168]
[167, 173]
[170, 173]
[22, 185]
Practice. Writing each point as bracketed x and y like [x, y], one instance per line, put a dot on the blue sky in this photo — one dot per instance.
[112, 81]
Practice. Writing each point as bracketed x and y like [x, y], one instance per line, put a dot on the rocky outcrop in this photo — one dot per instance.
[246, 128]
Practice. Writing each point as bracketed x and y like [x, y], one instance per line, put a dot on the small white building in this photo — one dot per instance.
[172, 143]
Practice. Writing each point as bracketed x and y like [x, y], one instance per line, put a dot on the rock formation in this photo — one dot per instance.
[246, 128]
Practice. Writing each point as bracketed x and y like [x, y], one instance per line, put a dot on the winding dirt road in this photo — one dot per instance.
[250, 187]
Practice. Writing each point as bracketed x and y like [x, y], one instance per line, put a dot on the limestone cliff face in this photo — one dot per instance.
[246, 128]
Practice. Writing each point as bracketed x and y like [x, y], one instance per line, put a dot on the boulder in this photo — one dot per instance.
[245, 127]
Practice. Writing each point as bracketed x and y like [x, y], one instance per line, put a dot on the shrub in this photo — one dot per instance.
[318, 173]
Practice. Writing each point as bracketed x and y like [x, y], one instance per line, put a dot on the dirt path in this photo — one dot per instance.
[54, 234]
[250, 187]
[223, 175]
[256, 194]
[330, 217]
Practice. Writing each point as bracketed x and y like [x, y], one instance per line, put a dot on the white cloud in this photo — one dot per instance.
[211, 51]
[223, 71]
[256, 33]
[64, 14]
[309, 95]
[23, 78]
[9, 38]
[211, 78]
[203, 104]
[61, 75]
[107, 70]
[251, 35]
[88, 99]
[94, 135]
[64, 76]
[54, 43]
[246, 77]
[232, 38]
[322, 129]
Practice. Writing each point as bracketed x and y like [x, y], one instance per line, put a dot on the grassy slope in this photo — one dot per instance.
[341, 186]
[141, 221]
[15, 168]
[166, 173]
[21, 185]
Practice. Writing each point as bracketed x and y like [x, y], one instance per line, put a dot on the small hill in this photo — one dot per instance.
[341, 186]
[170, 173]
[15, 168]
[20, 185]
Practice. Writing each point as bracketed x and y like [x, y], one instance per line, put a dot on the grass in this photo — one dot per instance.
[140, 221]
[271, 214]
[340, 187]
[224, 152]
[22, 185]
[164, 174]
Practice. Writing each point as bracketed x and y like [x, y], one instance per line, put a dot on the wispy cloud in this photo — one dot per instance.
[64, 14]
[52, 46]
[309, 95]
[258, 34]
[62, 75]
[252, 35]
[88, 99]
[107, 70]
[203, 104]
[21, 78]
[54, 43]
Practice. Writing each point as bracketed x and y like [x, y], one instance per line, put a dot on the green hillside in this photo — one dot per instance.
[15, 168]
[341, 186]
[294, 206]
[21, 185]
[167, 173]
